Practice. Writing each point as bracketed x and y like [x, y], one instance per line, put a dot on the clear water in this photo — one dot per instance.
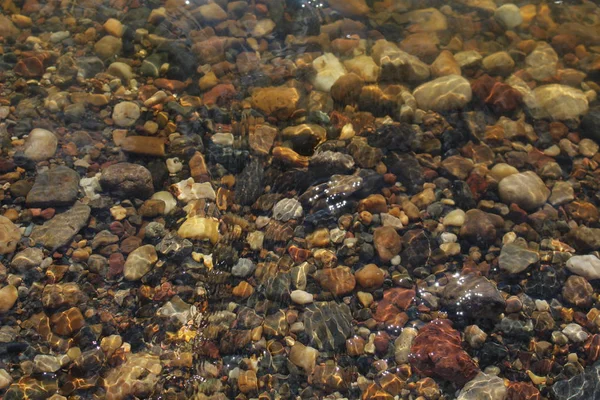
[276, 199]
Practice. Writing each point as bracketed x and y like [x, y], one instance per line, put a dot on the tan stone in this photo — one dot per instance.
[279, 102]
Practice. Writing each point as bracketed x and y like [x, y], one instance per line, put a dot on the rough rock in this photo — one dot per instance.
[54, 188]
[58, 231]
[515, 258]
[587, 266]
[557, 102]
[472, 296]
[443, 94]
[526, 189]
[9, 235]
[127, 180]
[280, 102]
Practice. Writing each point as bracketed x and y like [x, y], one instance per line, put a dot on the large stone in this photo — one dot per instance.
[350, 8]
[7, 28]
[329, 69]
[397, 65]
[27, 259]
[542, 62]
[40, 145]
[387, 243]
[58, 231]
[139, 262]
[583, 386]
[9, 236]
[200, 228]
[587, 266]
[526, 189]
[54, 188]
[472, 296]
[558, 102]
[108, 47]
[279, 102]
[126, 180]
[483, 387]
[443, 94]
[328, 324]
[515, 258]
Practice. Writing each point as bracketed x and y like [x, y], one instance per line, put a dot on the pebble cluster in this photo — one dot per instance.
[281, 199]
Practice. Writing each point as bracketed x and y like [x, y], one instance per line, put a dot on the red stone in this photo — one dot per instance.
[394, 301]
[522, 391]
[437, 353]
[220, 95]
[170, 84]
[116, 262]
[503, 98]
[30, 67]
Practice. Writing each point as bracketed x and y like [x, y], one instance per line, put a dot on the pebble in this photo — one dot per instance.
[526, 189]
[483, 386]
[515, 258]
[587, 266]
[243, 268]
[500, 63]
[9, 236]
[108, 47]
[5, 378]
[126, 113]
[127, 180]
[508, 15]
[443, 94]
[46, 363]
[27, 259]
[575, 333]
[370, 277]
[304, 357]
[58, 231]
[139, 262]
[40, 145]
[328, 70]
[279, 102]
[54, 188]
[387, 243]
[8, 298]
[301, 297]
[287, 209]
[557, 102]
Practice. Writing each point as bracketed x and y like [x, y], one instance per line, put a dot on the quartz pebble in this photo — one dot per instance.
[40, 145]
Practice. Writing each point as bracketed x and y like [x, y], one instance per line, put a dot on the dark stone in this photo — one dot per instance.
[462, 195]
[393, 137]
[407, 169]
[545, 282]
[249, 184]
[590, 124]
[471, 297]
[128, 181]
[584, 386]
[54, 188]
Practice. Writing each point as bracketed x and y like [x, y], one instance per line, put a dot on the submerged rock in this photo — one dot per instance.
[58, 231]
[328, 325]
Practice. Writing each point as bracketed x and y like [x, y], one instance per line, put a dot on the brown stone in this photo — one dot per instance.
[437, 353]
[279, 102]
[261, 139]
[198, 168]
[67, 322]
[247, 381]
[339, 280]
[150, 146]
[387, 243]
[30, 67]
[152, 208]
[347, 88]
[445, 64]
[578, 291]
[370, 276]
[374, 203]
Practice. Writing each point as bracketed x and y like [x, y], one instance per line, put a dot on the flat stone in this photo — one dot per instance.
[54, 188]
[46, 363]
[139, 262]
[397, 64]
[59, 231]
[40, 145]
[443, 94]
[146, 145]
[500, 63]
[483, 386]
[126, 180]
[328, 324]
[8, 298]
[261, 139]
[515, 258]
[365, 67]
[287, 209]
[7, 28]
[350, 8]
[108, 47]
[27, 259]
[279, 102]
[472, 296]
[542, 62]
[526, 189]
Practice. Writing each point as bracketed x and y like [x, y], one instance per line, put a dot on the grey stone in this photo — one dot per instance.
[59, 231]
[54, 188]
[515, 258]
[126, 180]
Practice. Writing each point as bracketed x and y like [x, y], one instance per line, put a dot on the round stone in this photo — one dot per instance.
[525, 189]
[139, 262]
[509, 16]
[40, 145]
[301, 297]
[126, 113]
[9, 236]
[127, 180]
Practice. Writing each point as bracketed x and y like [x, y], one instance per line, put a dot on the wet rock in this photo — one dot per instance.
[261, 139]
[350, 8]
[54, 188]
[508, 15]
[387, 242]
[304, 357]
[139, 262]
[59, 295]
[67, 322]
[525, 189]
[137, 376]
[364, 155]
[7, 28]
[397, 65]
[542, 62]
[287, 209]
[58, 231]
[514, 258]
[478, 226]
[46, 363]
[279, 102]
[562, 193]
[558, 102]
[108, 47]
[328, 325]
[472, 296]
[126, 180]
[364, 67]
[445, 64]
[29, 258]
[347, 88]
[329, 69]
[126, 113]
[188, 190]
[327, 163]
[370, 277]
[578, 291]
[483, 386]
[407, 169]
[149, 146]
[443, 94]
[8, 298]
[40, 145]
[243, 268]
[200, 228]
[587, 266]
[9, 236]
[339, 281]
[437, 353]
[500, 63]
[175, 310]
[301, 297]
[249, 183]
[590, 124]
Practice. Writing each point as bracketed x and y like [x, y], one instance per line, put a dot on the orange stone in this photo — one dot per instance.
[150, 146]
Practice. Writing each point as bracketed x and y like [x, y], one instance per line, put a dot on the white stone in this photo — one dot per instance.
[557, 102]
[126, 113]
[329, 69]
[403, 344]
[390, 220]
[301, 297]
[222, 139]
[170, 202]
[40, 144]
[455, 218]
[509, 16]
[174, 165]
[91, 186]
[443, 94]
[5, 379]
[187, 190]
[575, 333]
[542, 62]
[587, 266]
[287, 209]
